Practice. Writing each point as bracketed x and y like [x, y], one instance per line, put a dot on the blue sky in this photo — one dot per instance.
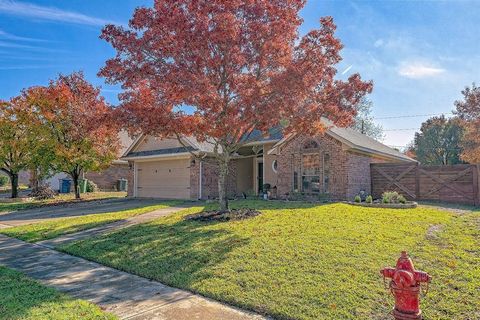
[420, 54]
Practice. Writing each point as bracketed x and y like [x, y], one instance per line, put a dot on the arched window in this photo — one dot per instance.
[310, 144]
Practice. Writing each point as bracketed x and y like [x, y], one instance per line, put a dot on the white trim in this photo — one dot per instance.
[257, 143]
[133, 145]
[273, 166]
[135, 180]
[179, 155]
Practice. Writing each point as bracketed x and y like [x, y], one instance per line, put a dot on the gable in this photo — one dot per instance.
[150, 143]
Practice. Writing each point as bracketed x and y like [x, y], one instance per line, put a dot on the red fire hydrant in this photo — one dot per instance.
[405, 287]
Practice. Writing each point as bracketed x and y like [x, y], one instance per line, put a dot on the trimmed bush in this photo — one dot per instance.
[393, 197]
[369, 199]
[91, 186]
[357, 199]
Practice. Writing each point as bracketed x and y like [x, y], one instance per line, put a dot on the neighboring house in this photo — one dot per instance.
[106, 179]
[119, 169]
[334, 165]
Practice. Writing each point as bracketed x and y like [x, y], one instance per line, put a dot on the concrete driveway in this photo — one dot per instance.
[29, 216]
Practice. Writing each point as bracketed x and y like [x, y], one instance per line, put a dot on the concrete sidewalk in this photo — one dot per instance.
[126, 295]
[143, 218]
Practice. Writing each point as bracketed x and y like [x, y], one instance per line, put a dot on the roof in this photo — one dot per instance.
[159, 152]
[360, 142]
[354, 140]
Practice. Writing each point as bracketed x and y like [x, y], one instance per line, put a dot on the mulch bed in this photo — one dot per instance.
[236, 214]
[407, 205]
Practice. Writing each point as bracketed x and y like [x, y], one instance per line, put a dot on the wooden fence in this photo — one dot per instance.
[453, 183]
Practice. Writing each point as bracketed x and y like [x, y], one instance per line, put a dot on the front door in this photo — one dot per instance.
[260, 177]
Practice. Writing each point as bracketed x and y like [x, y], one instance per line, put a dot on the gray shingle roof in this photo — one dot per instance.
[353, 139]
[159, 152]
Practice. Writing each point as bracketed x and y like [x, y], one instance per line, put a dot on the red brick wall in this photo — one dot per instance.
[349, 172]
[358, 174]
[210, 180]
[290, 159]
[107, 179]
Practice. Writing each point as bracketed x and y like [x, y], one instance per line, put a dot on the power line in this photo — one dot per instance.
[414, 115]
[402, 129]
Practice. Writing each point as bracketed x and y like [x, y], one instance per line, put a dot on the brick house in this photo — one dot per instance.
[335, 165]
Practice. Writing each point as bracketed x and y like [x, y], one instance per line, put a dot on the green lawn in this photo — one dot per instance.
[61, 198]
[57, 227]
[301, 261]
[22, 298]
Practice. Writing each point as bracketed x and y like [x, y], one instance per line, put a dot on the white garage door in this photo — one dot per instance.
[168, 179]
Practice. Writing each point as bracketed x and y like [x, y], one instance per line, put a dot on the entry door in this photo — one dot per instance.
[260, 177]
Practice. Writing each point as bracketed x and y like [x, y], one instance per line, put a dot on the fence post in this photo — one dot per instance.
[476, 184]
[417, 182]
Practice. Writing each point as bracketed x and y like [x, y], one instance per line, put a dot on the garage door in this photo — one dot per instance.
[168, 179]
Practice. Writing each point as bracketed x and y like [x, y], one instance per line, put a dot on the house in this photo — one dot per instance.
[334, 165]
[119, 169]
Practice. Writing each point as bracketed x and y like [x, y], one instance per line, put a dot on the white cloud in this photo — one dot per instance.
[26, 9]
[418, 70]
[9, 36]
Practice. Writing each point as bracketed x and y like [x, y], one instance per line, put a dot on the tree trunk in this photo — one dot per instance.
[222, 184]
[75, 185]
[14, 184]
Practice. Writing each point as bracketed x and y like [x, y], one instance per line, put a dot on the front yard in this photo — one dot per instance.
[26, 299]
[56, 227]
[305, 261]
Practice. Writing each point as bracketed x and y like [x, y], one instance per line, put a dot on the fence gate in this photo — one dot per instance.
[451, 183]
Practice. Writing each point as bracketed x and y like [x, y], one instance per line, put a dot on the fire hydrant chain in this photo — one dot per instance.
[405, 286]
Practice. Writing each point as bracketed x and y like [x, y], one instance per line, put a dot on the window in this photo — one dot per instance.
[310, 144]
[275, 166]
[311, 170]
[326, 173]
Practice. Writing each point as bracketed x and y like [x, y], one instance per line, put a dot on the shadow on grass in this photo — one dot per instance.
[179, 254]
[266, 205]
[24, 298]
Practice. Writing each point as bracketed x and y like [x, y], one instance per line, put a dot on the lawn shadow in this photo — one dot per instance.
[179, 254]
[267, 204]
[19, 295]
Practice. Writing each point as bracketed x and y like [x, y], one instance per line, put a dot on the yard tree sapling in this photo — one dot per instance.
[240, 65]
[468, 110]
[78, 121]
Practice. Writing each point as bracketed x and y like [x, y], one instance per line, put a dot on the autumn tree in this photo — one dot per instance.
[468, 110]
[240, 65]
[364, 122]
[77, 121]
[17, 140]
[438, 142]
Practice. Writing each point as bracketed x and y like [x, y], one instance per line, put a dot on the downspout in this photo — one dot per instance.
[200, 181]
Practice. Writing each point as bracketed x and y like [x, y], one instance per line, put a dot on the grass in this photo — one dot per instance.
[303, 261]
[22, 298]
[61, 198]
[57, 227]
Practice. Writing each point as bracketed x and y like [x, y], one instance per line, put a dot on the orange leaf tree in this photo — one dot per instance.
[77, 122]
[468, 110]
[18, 140]
[240, 65]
